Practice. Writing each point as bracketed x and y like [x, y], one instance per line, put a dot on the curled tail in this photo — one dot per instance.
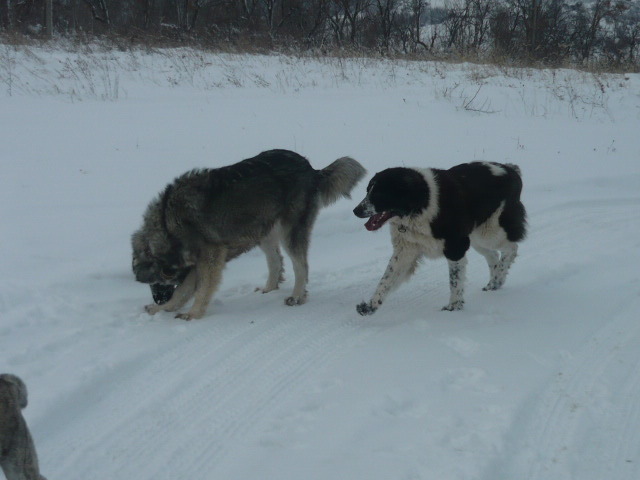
[338, 179]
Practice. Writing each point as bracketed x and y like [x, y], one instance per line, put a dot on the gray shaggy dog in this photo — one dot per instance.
[207, 217]
[18, 457]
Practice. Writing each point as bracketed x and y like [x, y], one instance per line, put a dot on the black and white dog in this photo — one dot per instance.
[434, 213]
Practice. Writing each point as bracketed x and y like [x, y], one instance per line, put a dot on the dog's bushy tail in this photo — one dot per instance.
[338, 179]
[515, 167]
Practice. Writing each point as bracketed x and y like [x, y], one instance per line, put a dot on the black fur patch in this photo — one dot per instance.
[468, 194]
[401, 191]
[161, 293]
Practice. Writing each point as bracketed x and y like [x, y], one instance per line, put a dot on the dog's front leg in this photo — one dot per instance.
[180, 296]
[401, 266]
[209, 266]
[457, 275]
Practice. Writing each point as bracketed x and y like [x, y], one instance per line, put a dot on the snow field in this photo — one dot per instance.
[536, 381]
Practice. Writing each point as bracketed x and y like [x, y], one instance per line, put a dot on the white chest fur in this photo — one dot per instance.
[416, 236]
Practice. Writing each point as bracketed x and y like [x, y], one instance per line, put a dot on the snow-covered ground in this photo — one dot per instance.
[540, 380]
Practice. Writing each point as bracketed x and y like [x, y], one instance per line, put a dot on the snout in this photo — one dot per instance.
[161, 293]
[364, 209]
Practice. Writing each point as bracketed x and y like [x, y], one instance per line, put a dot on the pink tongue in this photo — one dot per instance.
[377, 220]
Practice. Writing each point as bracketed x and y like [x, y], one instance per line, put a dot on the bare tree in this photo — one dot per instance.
[386, 10]
[348, 14]
[621, 46]
[6, 20]
[99, 10]
[549, 31]
[48, 17]
[417, 9]
[480, 12]
[187, 13]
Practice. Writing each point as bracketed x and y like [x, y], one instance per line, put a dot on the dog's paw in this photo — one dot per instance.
[291, 301]
[152, 308]
[492, 286]
[365, 308]
[453, 306]
[185, 316]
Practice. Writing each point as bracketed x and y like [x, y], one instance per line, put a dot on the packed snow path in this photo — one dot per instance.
[537, 381]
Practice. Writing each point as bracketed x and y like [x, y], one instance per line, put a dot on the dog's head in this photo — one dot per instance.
[393, 192]
[158, 259]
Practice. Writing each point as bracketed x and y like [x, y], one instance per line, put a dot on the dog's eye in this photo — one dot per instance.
[168, 273]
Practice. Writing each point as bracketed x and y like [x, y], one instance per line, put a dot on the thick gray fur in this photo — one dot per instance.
[18, 457]
[207, 217]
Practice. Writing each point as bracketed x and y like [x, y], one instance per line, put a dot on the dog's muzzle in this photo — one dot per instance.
[364, 209]
[162, 293]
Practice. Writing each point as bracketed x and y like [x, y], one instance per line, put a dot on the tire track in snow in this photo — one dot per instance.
[206, 391]
[129, 386]
[621, 415]
[264, 377]
[575, 399]
[584, 423]
[629, 444]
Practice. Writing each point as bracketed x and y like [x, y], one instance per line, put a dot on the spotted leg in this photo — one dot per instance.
[498, 264]
[401, 266]
[457, 274]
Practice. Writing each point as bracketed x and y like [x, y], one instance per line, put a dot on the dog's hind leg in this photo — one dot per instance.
[296, 243]
[211, 262]
[457, 276]
[501, 269]
[301, 273]
[270, 245]
[493, 259]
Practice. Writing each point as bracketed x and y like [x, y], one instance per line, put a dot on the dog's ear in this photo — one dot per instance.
[415, 191]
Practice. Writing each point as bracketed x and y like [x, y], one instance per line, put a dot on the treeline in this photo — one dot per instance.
[546, 31]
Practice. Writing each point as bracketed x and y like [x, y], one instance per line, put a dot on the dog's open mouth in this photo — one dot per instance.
[376, 221]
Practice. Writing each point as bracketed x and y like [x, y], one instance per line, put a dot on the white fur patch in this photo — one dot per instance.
[367, 206]
[496, 170]
[415, 235]
[434, 195]
[490, 234]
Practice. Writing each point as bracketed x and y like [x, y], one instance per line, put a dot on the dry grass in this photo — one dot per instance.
[265, 45]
